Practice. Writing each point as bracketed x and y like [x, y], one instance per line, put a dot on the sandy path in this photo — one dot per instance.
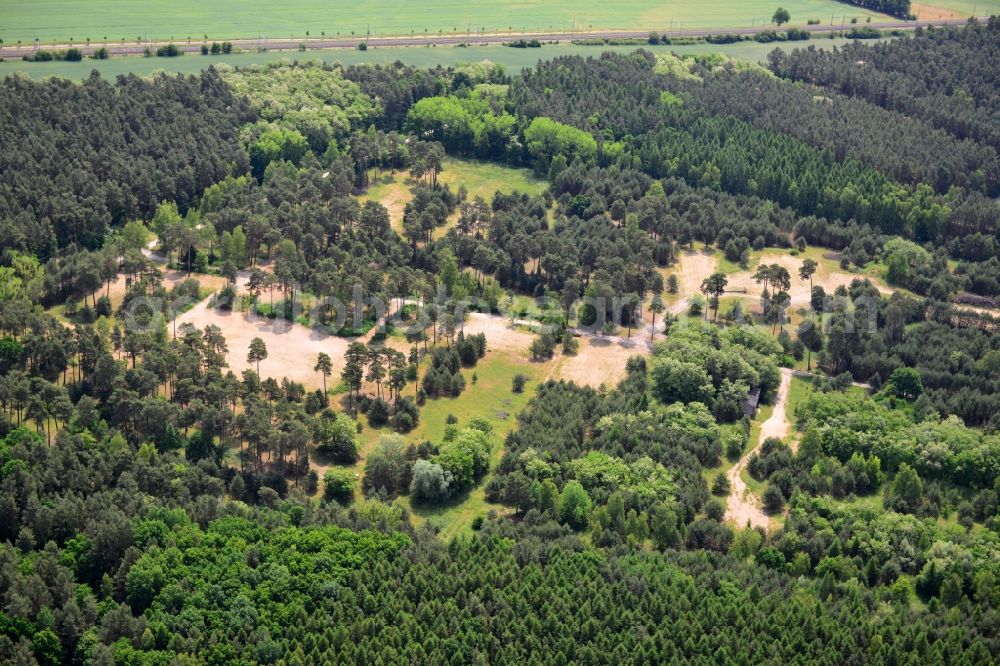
[742, 506]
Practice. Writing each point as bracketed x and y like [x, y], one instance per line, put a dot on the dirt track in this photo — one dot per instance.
[742, 506]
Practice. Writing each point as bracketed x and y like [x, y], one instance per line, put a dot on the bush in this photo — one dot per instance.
[723, 39]
[378, 412]
[169, 51]
[518, 382]
[715, 510]
[338, 485]
[336, 436]
[407, 415]
[524, 44]
[431, 483]
[772, 558]
[864, 33]
[774, 500]
[720, 485]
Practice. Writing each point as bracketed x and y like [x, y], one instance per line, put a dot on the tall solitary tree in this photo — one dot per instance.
[257, 353]
[807, 270]
[324, 366]
[656, 306]
[781, 16]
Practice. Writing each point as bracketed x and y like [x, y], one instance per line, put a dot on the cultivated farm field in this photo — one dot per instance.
[59, 21]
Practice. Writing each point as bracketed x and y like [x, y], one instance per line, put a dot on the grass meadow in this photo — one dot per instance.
[418, 56]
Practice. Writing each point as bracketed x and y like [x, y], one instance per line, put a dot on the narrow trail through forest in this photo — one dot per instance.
[742, 506]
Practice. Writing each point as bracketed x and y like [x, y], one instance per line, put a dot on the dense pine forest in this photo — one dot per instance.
[174, 490]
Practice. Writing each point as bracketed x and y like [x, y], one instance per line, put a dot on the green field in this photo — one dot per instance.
[60, 21]
[418, 56]
[954, 8]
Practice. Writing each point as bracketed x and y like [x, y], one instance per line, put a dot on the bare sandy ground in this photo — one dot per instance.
[742, 506]
[799, 292]
[291, 348]
[171, 278]
[601, 360]
[499, 334]
[691, 270]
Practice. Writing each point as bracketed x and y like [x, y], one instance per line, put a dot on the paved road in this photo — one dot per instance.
[118, 48]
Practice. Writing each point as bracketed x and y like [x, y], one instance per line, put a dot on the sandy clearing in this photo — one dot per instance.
[742, 506]
[499, 335]
[171, 278]
[291, 348]
[800, 291]
[691, 270]
[600, 360]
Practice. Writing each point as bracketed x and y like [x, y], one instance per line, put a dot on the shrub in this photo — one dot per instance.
[518, 382]
[378, 412]
[720, 485]
[431, 483]
[774, 500]
[715, 510]
[338, 485]
[335, 435]
[169, 51]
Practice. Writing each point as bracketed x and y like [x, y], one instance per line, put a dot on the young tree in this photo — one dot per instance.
[386, 467]
[257, 353]
[781, 16]
[762, 275]
[811, 336]
[376, 369]
[673, 284]
[574, 505]
[431, 483]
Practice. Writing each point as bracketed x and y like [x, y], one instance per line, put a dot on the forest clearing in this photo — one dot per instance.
[317, 363]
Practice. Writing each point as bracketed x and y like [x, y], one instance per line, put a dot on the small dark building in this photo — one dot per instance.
[750, 403]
